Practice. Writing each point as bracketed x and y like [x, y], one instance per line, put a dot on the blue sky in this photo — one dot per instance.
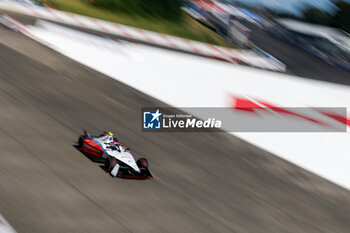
[293, 6]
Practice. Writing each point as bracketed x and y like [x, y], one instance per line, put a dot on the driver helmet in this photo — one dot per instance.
[113, 146]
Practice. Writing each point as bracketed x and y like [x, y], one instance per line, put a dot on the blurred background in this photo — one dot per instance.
[280, 28]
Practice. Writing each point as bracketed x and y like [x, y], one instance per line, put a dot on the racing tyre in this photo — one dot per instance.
[142, 163]
[80, 142]
[110, 162]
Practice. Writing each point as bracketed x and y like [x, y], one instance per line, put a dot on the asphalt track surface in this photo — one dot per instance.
[204, 182]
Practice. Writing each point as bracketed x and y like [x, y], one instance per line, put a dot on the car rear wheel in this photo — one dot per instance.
[80, 142]
[142, 163]
[109, 164]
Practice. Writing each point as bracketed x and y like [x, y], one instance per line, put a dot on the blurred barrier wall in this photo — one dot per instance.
[231, 55]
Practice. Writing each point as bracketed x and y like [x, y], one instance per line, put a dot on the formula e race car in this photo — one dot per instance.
[118, 161]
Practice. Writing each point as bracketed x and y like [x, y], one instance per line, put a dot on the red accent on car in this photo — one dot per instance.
[91, 147]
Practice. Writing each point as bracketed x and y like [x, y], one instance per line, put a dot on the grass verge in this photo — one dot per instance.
[186, 28]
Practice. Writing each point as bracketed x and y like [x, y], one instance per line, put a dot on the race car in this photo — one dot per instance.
[118, 161]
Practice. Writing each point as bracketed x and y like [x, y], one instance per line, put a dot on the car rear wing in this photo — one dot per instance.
[86, 134]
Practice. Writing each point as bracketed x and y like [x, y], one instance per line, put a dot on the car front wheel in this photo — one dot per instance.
[142, 163]
[109, 164]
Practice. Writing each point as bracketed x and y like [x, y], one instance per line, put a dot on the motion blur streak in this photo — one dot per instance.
[212, 182]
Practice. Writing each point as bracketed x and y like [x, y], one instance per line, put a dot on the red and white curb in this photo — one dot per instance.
[88, 39]
[17, 26]
[5, 227]
[91, 40]
[231, 55]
